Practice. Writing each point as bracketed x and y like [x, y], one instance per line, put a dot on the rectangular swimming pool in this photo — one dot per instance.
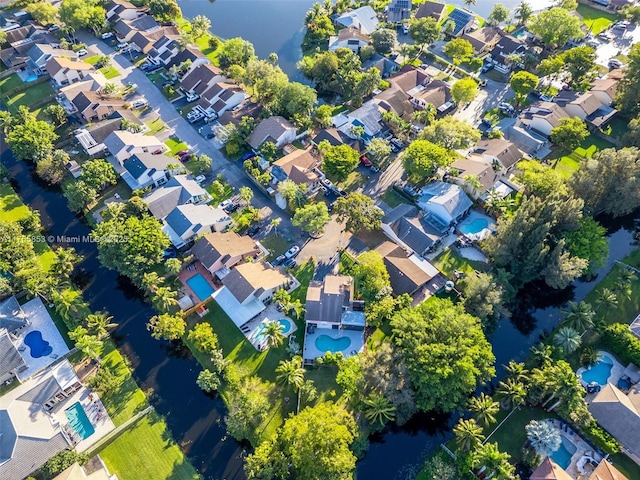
[200, 287]
[79, 421]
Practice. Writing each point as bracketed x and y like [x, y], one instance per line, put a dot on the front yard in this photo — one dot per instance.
[596, 20]
[109, 72]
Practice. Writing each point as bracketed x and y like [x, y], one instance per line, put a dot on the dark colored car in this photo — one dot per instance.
[289, 263]
[253, 230]
[182, 153]
[231, 208]
[278, 260]
[170, 252]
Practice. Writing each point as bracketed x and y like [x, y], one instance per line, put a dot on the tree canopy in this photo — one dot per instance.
[78, 14]
[451, 133]
[570, 133]
[236, 51]
[28, 137]
[446, 353]
[422, 158]
[556, 26]
[523, 83]
[459, 50]
[371, 275]
[424, 31]
[358, 211]
[384, 40]
[339, 160]
[165, 10]
[312, 218]
[464, 90]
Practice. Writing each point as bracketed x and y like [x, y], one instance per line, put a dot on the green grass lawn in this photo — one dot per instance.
[146, 451]
[218, 199]
[393, 198]
[591, 145]
[276, 244]
[9, 83]
[594, 19]
[617, 127]
[92, 60]
[11, 207]
[567, 165]
[109, 72]
[449, 261]
[31, 95]
[155, 126]
[175, 145]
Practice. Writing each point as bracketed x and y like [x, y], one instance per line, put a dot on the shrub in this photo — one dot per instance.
[622, 343]
[61, 461]
[601, 438]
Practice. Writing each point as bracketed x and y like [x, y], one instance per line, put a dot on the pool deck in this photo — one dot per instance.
[41, 321]
[191, 271]
[472, 217]
[252, 329]
[616, 371]
[578, 467]
[356, 346]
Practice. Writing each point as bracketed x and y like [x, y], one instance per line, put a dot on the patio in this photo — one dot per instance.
[321, 340]
[41, 322]
[191, 271]
[579, 466]
[253, 329]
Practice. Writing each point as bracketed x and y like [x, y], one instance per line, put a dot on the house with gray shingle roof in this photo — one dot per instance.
[12, 317]
[406, 226]
[126, 29]
[431, 9]
[368, 116]
[11, 362]
[121, 10]
[199, 78]
[363, 19]
[273, 129]
[122, 144]
[543, 117]
[224, 250]
[179, 190]
[40, 54]
[444, 203]
[187, 222]
[143, 170]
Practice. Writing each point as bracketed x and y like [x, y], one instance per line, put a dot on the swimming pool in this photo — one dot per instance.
[79, 421]
[563, 455]
[325, 343]
[600, 372]
[38, 346]
[286, 328]
[200, 286]
[475, 226]
[31, 78]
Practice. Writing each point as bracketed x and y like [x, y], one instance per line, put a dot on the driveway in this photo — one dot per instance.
[621, 43]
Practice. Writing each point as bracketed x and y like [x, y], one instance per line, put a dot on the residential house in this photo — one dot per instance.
[606, 471]
[92, 82]
[11, 363]
[188, 221]
[12, 317]
[501, 54]
[385, 66]
[368, 117]
[500, 153]
[19, 41]
[396, 101]
[179, 190]
[410, 273]
[219, 252]
[398, 11]
[297, 166]
[526, 140]
[95, 469]
[549, 470]
[462, 22]
[619, 414]
[122, 144]
[220, 97]
[332, 135]
[477, 167]
[245, 109]
[143, 170]
[409, 78]
[604, 89]
[126, 29]
[332, 311]
[587, 107]
[273, 129]
[444, 204]
[201, 77]
[93, 106]
[92, 138]
[543, 117]
[64, 71]
[350, 38]
[483, 40]
[121, 10]
[363, 19]
[144, 41]
[40, 54]
[431, 9]
[189, 55]
[164, 49]
[406, 226]
[247, 288]
[422, 89]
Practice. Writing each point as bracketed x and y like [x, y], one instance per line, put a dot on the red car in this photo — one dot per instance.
[182, 153]
[365, 161]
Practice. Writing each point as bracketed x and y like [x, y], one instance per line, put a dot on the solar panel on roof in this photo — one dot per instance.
[460, 18]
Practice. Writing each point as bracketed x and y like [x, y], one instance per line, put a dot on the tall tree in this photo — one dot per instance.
[499, 14]
[65, 261]
[580, 316]
[165, 10]
[589, 242]
[312, 218]
[28, 137]
[523, 12]
[484, 409]
[556, 26]
[422, 158]
[567, 339]
[451, 133]
[378, 409]
[523, 83]
[358, 211]
[457, 360]
[458, 50]
[580, 62]
[42, 12]
[272, 333]
[166, 326]
[200, 25]
[468, 434]
[52, 168]
[371, 276]
[100, 323]
[570, 133]
[290, 372]
[236, 51]
[495, 462]
[544, 437]
[424, 31]
[339, 160]
[384, 40]
[464, 90]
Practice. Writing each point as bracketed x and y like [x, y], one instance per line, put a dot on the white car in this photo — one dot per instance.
[192, 97]
[139, 103]
[199, 179]
[82, 52]
[292, 252]
[122, 45]
[405, 29]
[106, 36]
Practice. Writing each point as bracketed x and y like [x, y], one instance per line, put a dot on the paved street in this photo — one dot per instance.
[623, 39]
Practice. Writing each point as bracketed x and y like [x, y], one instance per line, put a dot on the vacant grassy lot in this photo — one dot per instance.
[146, 450]
[596, 20]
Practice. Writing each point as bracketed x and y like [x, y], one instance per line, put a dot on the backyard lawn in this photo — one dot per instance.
[218, 199]
[449, 261]
[11, 207]
[145, 450]
[276, 244]
[596, 20]
[155, 126]
[30, 96]
[393, 198]
[569, 163]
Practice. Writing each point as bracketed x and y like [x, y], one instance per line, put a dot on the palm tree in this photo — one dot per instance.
[517, 371]
[378, 409]
[469, 3]
[543, 437]
[274, 225]
[245, 194]
[472, 183]
[174, 71]
[100, 323]
[541, 354]
[282, 297]
[494, 463]
[65, 261]
[561, 382]
[606, 298]
[579, 317]
[628, 276]
[68, 303]
[151, 281]
[90, 345]
[297, 307]
[484, 409]
[164, 298]
[523, 12]
[589, 356]
[568, 339]
[272, 333]
[623, 289]
[468, 434]
[290, 372]
[511, 392]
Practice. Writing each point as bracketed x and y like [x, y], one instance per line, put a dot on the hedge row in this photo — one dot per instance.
[621, 342]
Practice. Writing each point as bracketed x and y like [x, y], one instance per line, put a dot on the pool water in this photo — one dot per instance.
[563, 455]
[38, 347]
[200, 287]
[325, 343]
[31, 78]
[473, 227]
[286, 328]
[600, 372]
[79, 421]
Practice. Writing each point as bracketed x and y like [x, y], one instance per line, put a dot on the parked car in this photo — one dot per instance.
[185, 158]
[374, 169]
[486, 67]
[487, 123]
[231, 208]
[278, 260]
[607, 36]
[139, 103]
[120, 46]
[291, 263]
[170, 252]
[365, 161]
[200, 179]
[192, 97]
[53, 28]
[193, 116]
[82, 52]
[106, 36]
[182, 153]
[615, 63]
[327, 182]
[254, 230]
[405, 29]
[292, 252]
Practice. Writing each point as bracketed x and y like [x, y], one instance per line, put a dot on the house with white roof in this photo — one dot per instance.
[186, 222]
[368, 116]
[122, 144]
[444, 203]
[363, 19]
[275, 129]
[350, 38]
[179, 190]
